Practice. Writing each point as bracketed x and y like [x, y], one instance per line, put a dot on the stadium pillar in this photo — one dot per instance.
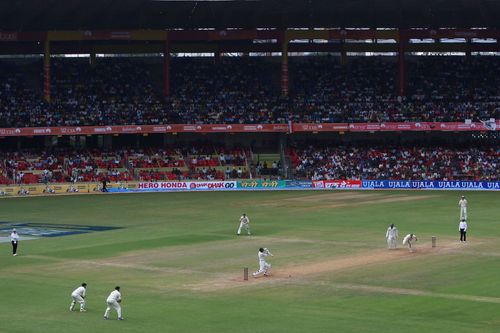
[284, 67]
[166, 68]
[92, 59]
[107, 142]
[217, 57]
[402, 66]
[46, 71]
[343, 54]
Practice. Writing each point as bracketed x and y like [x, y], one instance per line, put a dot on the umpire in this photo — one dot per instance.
[463, 230]
[14, 239]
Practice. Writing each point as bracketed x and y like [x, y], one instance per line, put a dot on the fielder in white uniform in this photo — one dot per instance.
[463, 208]
[392, 236]
[263, 265]
[244, 223]
[408, 240]
[114, 299]
[78, 296]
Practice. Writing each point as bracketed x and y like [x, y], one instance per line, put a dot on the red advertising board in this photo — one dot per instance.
[184, 186]
[336, 184]
[107, 35]
[251, 128]
[318, 184]
[324, 127]
[8, 36]
[342, 183]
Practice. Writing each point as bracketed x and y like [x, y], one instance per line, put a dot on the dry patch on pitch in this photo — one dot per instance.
[326, 266]
[292, 275]
[153, 260]
[140, 257]
[275, 240]
[144, 261]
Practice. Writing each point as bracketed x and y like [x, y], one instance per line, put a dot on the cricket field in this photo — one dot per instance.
[180, 264]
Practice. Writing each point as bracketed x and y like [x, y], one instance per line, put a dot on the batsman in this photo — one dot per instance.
[264, 266]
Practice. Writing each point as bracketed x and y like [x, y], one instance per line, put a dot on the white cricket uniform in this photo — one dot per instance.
[78, 296]
[408, 240]
[244, 223]
[391, 235]
[112, 301]
[264, 266]
[463, 209]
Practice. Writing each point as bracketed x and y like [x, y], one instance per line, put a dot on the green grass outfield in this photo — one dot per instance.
[180, 264]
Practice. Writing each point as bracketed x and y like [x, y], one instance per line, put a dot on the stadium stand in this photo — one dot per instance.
[383, 162]
[121, 165]
[317, 162]
[120, 91]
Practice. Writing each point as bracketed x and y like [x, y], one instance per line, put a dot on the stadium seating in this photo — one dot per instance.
[120, 91]
[151, 164]
[377, 162]
[315, 162]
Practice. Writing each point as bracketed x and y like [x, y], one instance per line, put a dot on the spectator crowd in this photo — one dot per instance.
[404, 163]
[204, 162]
[118, 91]
[192, 161]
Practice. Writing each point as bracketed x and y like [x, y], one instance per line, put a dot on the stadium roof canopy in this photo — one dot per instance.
[37, 15]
